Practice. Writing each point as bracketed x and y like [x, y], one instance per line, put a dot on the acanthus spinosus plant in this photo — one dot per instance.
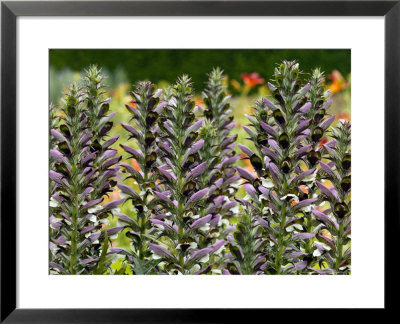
[180, 227]
[219, 146]
[82, 172]
[218, 152]
[335, 235]
[314, 107]
[145, 109]
[285, 162]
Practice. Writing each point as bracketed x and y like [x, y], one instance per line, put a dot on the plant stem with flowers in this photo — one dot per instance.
[180, 226]
[337, 219]
[145, 109]
[219, 154]
[279, 131]
[82, 174]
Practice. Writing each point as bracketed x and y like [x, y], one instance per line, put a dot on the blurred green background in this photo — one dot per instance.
[166, 64]
[246, 75]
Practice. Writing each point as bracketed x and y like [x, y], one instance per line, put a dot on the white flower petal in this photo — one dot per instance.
[316, 253]
[267, 183]
[205, 258]
[95, 209]
[54, 203]
[216, 271]
[116, 210]
[204, 228]
[93, 218]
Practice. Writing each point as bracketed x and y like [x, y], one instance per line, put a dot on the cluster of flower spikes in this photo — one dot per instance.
[335, 222]
[181, 197]
[145, 109]
[83, 172]
[285, 143]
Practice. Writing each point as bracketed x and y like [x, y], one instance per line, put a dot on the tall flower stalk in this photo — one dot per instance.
[83, 173]
[315, 110]
[145, 109]
[335, 230]
[219, 144]
[218, 152]
[180, 227]
[280, 129]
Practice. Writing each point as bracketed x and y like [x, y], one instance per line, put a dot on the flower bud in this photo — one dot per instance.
[256, 162]
[319, 115]
[346, 162]
[150, 138]
[313, 157]
[317, 134]
[286, 165]
[189, 118]
[150, 159]
[190, 160]
[278, 97]
[151, 118]
[263, 115]
[262, 139]
[340, 210]
[318, 104]
[284, 140]
[190, 139]
[346, 183]
[279, 116]
[189, 187]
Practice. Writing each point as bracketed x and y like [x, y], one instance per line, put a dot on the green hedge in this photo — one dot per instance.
[162, 64]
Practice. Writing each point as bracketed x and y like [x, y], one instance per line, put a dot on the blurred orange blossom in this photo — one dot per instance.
[252, 79]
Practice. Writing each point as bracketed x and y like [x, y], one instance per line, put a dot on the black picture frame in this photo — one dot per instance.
[10, 10]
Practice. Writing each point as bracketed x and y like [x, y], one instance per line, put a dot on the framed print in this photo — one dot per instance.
[196, 152]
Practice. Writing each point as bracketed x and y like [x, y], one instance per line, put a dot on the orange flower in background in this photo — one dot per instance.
[338, 81]
[135, 165]
[198, 101]
[252, 79]
[132, 104]
[324, 141]
[246, 161]
[304, 189]
[344, 116]
[115, 195]
[326, 233]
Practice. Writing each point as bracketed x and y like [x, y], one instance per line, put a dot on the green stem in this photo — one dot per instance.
[75, 189]
[281, 246]
[339, 247]
[74, 236]
[73, 257]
